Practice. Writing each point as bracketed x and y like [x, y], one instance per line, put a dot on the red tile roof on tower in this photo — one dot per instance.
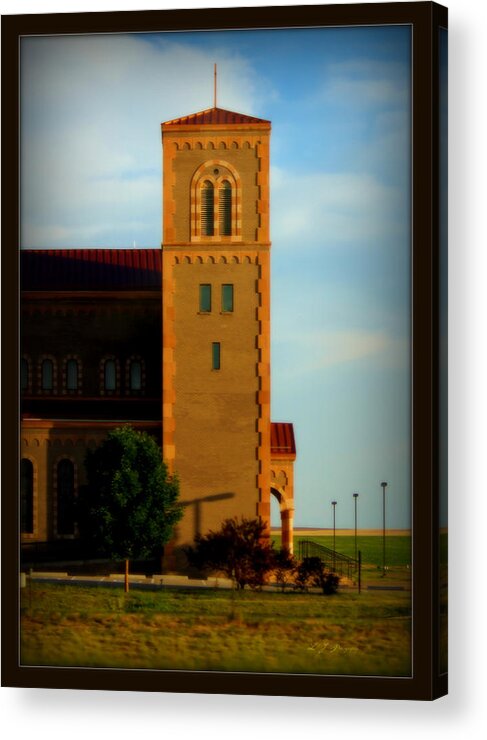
[282, 440]
[90, 269]
[212, 116]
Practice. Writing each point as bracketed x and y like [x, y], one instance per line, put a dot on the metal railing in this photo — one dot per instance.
[332, 560]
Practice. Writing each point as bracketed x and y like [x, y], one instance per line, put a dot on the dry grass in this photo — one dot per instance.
[217, 630]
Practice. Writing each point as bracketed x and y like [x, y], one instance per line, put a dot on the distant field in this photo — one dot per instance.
[311, 532]
[66, 625]
[398, 547]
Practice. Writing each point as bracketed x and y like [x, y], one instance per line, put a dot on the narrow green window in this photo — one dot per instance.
[215, 355]
[227, 298]
[205, 298]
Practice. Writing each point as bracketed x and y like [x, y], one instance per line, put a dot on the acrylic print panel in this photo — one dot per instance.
[339, 100]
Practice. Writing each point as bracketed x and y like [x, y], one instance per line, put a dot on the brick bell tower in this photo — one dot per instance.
[216, 316]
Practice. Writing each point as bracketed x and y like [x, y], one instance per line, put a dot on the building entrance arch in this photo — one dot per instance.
[286, 510]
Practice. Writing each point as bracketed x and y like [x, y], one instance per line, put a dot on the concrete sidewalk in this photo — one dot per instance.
[154, 583]
[135, 581]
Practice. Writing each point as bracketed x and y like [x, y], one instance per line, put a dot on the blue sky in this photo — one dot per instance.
[339, 102]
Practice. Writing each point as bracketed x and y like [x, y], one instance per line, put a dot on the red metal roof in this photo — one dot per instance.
[214, 115]
[91, 269]
[282, 439]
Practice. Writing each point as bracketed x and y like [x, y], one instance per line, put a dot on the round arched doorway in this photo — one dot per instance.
[287, 514]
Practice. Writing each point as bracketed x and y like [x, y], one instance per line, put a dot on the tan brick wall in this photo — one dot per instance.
[216, 424]
[215, 413]
[282, 487]
[246, 151]
[88, 329]
[245, 161]
[45, 443]
[91, 330]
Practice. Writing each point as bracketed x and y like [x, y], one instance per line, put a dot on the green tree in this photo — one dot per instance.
[239, 549]
[285, 568]
[129, 507]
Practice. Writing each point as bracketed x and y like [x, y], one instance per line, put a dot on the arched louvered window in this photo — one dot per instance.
[72, 375]
[47, 375]
[225, 193]
[110, 375]
[216, 196]
[26, 496]
[135, 375]
[65, 497]
[207, 209]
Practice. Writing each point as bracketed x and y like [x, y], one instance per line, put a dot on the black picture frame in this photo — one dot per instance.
[427, 681]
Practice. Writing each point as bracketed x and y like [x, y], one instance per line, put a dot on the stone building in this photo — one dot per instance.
[173, 341]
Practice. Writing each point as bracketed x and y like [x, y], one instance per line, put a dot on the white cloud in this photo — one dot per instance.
[324, 349]
[91, 109]
[334, 348]
[366, 82]
[373, 92]
[368, 111]
[330, 209]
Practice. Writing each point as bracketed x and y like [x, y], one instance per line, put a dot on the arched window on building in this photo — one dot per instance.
[225, 205]
[47, 375]
[72, 375]
[207, 209]
[26, 496]
[135, 375]
[216, 196]
[65, 497]
[110, 375]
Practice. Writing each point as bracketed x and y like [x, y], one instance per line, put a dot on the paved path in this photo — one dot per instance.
[155, 583]
[135, 581]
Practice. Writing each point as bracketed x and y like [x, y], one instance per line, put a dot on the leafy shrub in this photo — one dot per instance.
[239, 549]
[312, 572]
[285, 566]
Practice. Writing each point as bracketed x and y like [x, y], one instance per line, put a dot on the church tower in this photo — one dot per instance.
[216, 316]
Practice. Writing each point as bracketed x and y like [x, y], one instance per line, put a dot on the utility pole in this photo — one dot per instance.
[334, 503]
[355, 497]
[384, 486]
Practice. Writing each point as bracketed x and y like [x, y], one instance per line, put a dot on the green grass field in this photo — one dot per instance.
[398, 547]
[366, 634]
[217, 630]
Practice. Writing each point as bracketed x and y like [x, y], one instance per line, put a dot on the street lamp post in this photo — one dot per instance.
[334, 503]
[355, 497]
[384, 486]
